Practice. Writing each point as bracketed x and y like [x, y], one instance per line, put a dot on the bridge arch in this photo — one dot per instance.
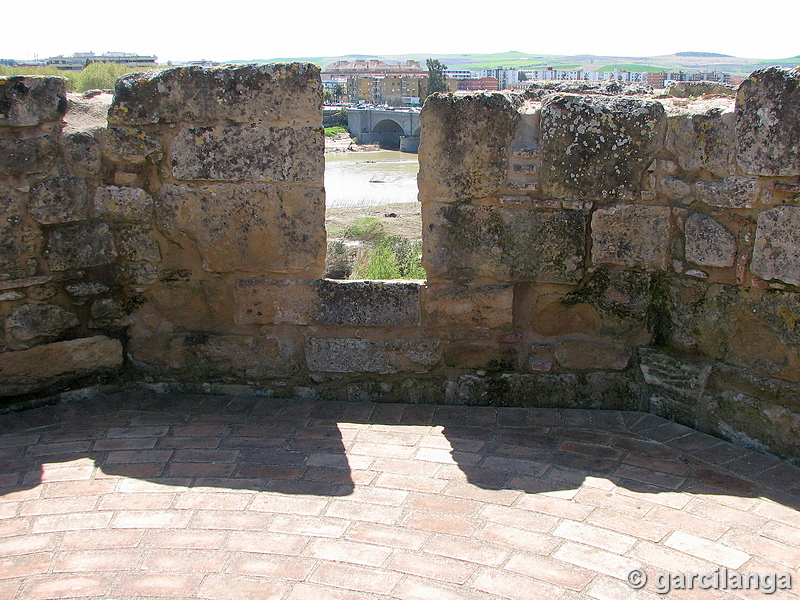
[388, 132]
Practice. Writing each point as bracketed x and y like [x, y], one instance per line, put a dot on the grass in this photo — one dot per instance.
[96, 76]
[334, 131]
[366, 250]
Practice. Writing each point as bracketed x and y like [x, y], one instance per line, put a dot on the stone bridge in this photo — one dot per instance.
[395, 129]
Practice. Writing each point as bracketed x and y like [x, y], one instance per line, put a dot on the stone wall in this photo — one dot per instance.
[596, 250]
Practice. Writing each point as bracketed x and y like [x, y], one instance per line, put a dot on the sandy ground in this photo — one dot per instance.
[399, 219]
[342, 142]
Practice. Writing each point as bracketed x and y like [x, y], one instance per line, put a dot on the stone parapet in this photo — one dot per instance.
[582, 249]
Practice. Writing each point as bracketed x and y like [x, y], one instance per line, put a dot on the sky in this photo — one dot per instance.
[179, 30]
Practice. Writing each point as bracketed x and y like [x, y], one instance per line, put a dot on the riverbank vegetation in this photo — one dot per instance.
[366, 249]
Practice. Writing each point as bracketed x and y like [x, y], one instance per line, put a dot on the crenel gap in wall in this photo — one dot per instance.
[373, 218]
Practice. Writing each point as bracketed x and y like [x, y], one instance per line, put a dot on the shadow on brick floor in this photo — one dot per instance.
[302, 446]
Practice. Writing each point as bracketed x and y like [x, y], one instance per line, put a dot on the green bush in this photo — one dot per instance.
[365, 229]
[394, 257]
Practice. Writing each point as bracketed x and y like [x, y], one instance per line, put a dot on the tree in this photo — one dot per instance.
[522, 76]
[436, 78]
[338, 92]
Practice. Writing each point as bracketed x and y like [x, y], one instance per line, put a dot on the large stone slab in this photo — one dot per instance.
[464, 145]
[601, 390]
[327, 302]
[130, 145]
[631, 235]
[59, 200]
[466, 241]
[48, 367]
[352, 355]
[199, 356]
[776, 252]
[737, 325]
[35, 323]
[254, 227]
[709, 243]
[768, 122]
[28, 155]
[114, 203]
[249, 153]
[465, 306]
[79, 246]
[367, 303]
[28, 101]
[729, 192]
[703, 140]
[597, 147]
[246, 94]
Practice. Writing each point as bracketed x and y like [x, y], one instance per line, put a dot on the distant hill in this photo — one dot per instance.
[700, 54]
[680, 61]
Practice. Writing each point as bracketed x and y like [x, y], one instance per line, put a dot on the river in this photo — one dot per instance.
[370, 178]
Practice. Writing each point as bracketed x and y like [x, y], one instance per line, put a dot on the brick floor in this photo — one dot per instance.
[183, 496]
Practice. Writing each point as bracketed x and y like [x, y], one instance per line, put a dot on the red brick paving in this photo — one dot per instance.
[148, 496]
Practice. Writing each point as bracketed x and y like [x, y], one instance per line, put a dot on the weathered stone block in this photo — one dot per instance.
[83, 290]
[36, 323]
[603, 390]
[130, 145]
[28, 155]
[28, 101]
[367, 303]
[592, 354]
[106, 313]
[597, 147]
[738, 326]
[755, 422]
[45, 368]
[79, 246]
[10, 228]
[59, 200]
[675, 189]
[632, 236]
[708, 242]
[251, 152]
[676, 385]
[193, 305]
[464, 145]
[253, 227]
[465, 306]
[137, 246]
[82, 153]
[269, 302]
[199, 355]
[113, 203]
[508, 244]
[768, 122]
[246, 94]
[730, 192]
[776, 252]
[351, 355]
[704, 140]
